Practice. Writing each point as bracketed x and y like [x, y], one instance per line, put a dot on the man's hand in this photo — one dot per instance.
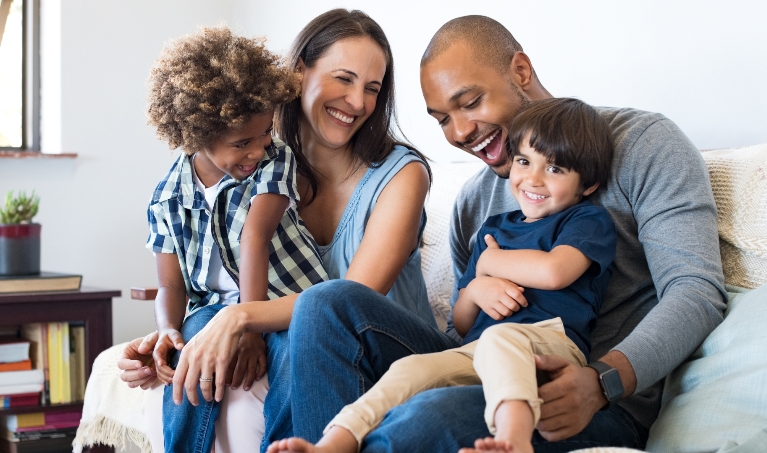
[136, 364]
[570, 400]
[250, 363]
[497, 297]
[168, 339]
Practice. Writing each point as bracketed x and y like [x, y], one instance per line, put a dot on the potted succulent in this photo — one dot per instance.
[19, 237]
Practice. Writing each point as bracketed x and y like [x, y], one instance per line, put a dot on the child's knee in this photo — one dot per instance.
[503, 334]
[199, 319]
[408, 363]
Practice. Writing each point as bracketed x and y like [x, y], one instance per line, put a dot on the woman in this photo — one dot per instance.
[362, 194]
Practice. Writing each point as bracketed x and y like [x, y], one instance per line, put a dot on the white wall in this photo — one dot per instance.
[700, 63]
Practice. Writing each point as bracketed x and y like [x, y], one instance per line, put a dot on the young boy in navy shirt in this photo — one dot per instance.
[556, 251]
[223, 221]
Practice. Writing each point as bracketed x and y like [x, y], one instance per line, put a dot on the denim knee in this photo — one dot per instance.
[331, 299]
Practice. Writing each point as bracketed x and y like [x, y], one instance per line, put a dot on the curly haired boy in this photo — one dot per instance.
[223, 221]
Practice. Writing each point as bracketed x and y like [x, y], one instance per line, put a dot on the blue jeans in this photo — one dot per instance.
[277, 402]
[447, 419]
[187, 428]
[343, 337]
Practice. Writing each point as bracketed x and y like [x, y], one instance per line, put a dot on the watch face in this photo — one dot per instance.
[611, 384]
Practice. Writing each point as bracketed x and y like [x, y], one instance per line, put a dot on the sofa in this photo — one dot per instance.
[716, 401]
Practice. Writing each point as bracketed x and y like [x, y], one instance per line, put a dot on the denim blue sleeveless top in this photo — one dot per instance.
[409, 290]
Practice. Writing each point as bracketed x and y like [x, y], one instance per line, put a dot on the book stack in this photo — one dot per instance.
[39, 432]
[19, 383]
[44, 364]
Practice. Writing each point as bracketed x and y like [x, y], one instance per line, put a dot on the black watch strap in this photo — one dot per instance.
[609, 380]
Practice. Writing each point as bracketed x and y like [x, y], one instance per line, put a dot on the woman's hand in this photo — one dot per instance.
[136, 364]
[168, 339]
[208, 354]
[250, 364]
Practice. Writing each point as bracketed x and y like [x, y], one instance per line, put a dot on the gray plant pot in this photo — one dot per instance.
[20, 249]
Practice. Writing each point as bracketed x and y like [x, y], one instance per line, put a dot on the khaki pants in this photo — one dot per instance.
[502, 360]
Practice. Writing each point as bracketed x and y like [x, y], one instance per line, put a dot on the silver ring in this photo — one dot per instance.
[206, 379]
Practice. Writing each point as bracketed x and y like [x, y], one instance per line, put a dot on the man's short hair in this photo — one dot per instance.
[570, 133]
[490, 41]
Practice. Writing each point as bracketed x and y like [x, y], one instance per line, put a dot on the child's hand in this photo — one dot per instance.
[497, 297]
[491, 243]
[481, 268]
[168, 340]
[250, 363]
[136, 364]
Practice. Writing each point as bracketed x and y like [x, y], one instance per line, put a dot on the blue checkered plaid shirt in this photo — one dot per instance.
[180, 223]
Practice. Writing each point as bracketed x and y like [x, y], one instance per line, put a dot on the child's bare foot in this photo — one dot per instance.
[291, 445]
[336, 440]
[490, 445]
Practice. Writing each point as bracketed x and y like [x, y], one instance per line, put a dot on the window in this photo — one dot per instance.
[19, 86]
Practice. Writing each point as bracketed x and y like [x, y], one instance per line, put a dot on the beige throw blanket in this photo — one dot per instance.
[112, 412]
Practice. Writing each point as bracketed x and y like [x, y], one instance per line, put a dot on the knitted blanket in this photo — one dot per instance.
[112, 411]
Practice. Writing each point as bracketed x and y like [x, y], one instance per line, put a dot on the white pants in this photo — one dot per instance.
[240, 425]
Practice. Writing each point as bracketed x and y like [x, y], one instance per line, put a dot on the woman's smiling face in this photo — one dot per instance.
[339, 92]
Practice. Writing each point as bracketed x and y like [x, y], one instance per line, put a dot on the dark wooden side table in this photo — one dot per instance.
[93, 306]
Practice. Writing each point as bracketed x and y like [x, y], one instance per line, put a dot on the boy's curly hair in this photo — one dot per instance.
[206, 83]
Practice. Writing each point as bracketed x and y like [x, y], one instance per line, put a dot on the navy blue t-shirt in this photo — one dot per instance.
[585, 226]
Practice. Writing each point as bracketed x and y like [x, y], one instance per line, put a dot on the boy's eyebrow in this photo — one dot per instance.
[244, 139]
[354, 74]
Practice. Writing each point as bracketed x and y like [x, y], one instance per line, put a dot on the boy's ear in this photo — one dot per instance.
[590, 190]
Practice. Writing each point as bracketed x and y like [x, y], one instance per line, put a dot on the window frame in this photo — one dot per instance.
[30, 81]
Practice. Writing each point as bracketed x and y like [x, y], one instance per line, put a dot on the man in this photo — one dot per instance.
[666, 291]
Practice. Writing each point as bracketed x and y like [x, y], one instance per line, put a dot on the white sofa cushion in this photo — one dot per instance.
[436, 263]
[739, 180]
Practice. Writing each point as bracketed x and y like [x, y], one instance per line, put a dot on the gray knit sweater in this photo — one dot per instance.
[666, 292]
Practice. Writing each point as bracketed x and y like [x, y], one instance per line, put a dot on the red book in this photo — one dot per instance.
[58, 417]
[16, 366]
[24, 399]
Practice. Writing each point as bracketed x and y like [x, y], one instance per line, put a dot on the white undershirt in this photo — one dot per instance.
[218, 279]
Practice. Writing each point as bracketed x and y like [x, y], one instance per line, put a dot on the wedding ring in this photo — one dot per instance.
[206, 379]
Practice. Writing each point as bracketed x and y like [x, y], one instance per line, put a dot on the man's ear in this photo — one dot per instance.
[590, 190]
[300, 66]
[522, 70]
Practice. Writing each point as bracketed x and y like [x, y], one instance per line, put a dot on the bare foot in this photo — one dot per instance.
[291, 445]
[336, 440]
[490, 445]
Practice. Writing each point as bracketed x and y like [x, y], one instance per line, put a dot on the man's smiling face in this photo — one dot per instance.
[473, 103]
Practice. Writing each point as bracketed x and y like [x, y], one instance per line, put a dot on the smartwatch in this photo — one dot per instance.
[610, 381]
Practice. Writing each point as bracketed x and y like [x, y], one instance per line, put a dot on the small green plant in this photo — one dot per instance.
[19, 209]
